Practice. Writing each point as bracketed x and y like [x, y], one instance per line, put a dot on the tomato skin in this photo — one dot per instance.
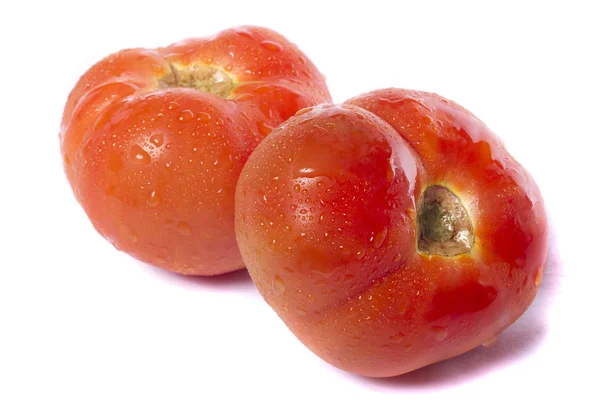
[155, 167]
[326, 223]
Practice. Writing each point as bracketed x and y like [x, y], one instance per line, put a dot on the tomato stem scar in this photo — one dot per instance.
[200, 77]
[443, 225]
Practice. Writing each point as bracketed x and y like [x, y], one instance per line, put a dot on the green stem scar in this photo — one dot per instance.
[200, 77]
[443, 224]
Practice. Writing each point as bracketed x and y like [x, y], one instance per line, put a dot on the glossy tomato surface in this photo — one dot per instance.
[332, 210]
[153, 140]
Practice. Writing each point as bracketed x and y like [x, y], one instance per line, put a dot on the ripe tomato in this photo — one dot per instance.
[390, 232]
[153, 141]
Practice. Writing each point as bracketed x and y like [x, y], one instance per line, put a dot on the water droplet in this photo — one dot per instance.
[263, 128]
[153, 199]
[204, 117]
[380, 237]
[287, 228]
[537, 280]
[397, 338]
[491, 342]
[133, 238]
[186, 115]
[173, 105]
[157, 139]
[271, 46]
[439, 333]
[360, 253]
[139, 156]
[273, 245]
[278, 285]
[322, 218]
[402, 308]
[244, 97]
[391, 170]
[245, 33]
[397, 258]
[184, 228]
[296, 188]
[304, 110]
[301, 311]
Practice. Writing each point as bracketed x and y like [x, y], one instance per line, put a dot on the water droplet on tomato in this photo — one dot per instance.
[300, 311]
[139, 156]
[439, 333]
[304, 110]
[397, 258]
[244, 97]
[278, 285]
[157, 139]
[204, 117]
[153, 199]
[322, 218]
[225, 161]
[186, 116]
[397, 338]
[391, 170]
[271, 46]
[402, 308]
[173, 105]
[244, 33]
[491, 342]
[263, 128]
[184, 228]
[537, 280]
[380, 237]
[133, 238]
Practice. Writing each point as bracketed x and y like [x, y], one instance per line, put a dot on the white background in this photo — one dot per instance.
[79, 320]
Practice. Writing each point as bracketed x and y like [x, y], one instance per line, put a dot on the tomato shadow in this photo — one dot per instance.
[239, 281]
[518, 342]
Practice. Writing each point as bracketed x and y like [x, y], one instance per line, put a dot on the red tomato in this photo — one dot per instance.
[154, 140]
[390, 232]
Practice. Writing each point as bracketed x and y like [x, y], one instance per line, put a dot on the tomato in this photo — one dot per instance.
[390, 232]
[153, 141]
